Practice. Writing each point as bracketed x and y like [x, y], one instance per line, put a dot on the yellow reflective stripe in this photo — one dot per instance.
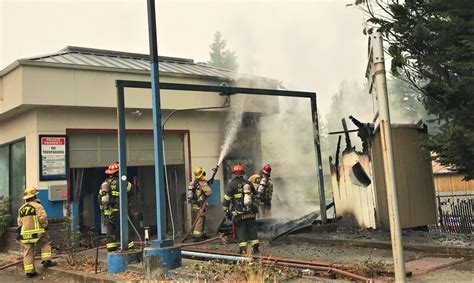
[35, 220]
[45, 256]
[242, 244]
[253, 242]
[195, 206]
[237, 195]
[115, 193]
[197, 233]
[129, 186]
[226, 197]
[131, 244]
[31, 241]
[32, 231]
[112, 245]
[29, 267]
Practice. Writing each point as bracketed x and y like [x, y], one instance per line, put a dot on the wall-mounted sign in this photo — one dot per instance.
[53, 157]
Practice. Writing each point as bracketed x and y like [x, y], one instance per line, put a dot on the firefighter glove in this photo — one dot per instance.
[18, 233]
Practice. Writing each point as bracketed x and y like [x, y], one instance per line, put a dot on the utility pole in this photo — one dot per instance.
[377, 78]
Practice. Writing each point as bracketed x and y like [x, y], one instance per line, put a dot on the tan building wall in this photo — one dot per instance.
[88, 88]
[11, 90]
[414, 178]
[452, 183]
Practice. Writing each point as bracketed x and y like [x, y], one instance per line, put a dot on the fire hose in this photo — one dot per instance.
[201, 212]
[54, 257]
[103, 247]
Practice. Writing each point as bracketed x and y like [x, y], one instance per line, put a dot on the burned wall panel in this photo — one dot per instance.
[354, 192]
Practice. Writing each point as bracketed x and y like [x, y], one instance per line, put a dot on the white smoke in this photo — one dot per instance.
[288, 144]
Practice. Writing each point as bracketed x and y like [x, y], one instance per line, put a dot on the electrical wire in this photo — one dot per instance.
[134, 229]
[168, 191]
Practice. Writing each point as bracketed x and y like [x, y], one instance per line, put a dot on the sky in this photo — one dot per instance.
[308, 45]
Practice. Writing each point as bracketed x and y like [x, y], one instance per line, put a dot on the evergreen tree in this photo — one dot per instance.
[431, 42]
[220, 56]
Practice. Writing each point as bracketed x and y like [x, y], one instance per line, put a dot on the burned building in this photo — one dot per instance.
[358, 178]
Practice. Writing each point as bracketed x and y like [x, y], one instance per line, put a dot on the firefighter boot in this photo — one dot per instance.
[31, 274]
[48, 263]
[256, 249]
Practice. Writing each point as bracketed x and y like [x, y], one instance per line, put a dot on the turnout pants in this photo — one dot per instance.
[247, 234]
[113, 232]
[199, 231]
[29, 253]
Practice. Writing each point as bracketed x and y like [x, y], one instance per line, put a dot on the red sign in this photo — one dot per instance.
[53, 141]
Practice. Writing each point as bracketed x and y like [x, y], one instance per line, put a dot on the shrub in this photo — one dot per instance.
[4, 216]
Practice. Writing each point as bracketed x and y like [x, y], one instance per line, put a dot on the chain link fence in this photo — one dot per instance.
[455, 214]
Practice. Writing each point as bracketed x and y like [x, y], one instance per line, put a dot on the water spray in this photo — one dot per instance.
[233, 122]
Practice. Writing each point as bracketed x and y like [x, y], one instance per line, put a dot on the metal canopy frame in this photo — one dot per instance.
[223, 90]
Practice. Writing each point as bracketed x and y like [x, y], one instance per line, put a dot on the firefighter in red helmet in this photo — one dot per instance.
[264, 188]
[239, 205]
[109, 194]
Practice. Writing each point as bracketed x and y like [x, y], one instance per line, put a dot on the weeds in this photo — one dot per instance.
[5, 217]
[368, 268]
[245, 271]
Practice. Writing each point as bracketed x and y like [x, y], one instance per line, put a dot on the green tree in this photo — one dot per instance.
[220, 56]
[431, 42]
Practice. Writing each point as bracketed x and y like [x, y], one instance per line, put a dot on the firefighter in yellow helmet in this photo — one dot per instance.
[198, 193]
[109, 203]
[32, 225]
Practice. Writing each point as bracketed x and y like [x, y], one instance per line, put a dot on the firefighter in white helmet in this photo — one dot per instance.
[198, 193]
[32, 225]
[264, 188]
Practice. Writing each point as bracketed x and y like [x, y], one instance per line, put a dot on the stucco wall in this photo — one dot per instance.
[87, 88]
[11, 88]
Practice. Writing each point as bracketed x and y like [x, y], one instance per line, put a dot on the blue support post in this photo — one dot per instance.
[157, 134]
[162, 255]
[122, 137]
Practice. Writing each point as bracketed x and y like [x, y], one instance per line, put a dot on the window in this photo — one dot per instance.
[4, 170]
[13, 174]
[17, 176]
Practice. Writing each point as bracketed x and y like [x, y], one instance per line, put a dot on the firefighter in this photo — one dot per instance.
[32, 225]
[198, 193]
[264, 187]
[109, 202]
[239, 205]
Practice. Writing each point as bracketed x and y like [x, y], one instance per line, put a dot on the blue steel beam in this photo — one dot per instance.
[157, 134]
[123, 169]
[255, 91]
